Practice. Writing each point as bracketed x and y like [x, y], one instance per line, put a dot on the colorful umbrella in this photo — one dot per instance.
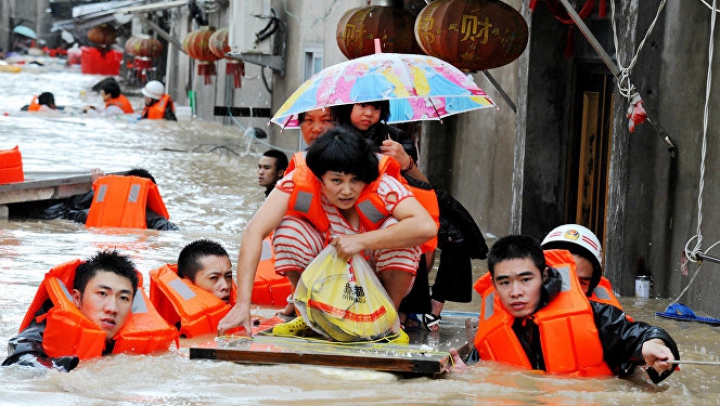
[419, 87]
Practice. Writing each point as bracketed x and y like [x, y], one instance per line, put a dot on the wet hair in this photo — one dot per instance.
[516, 247]
[583, 253]
[111, 87]
[107, 261]
[190, 256]
[342, 149]
[47, 99]
[341, 113]
[281, 161]
[141, 173]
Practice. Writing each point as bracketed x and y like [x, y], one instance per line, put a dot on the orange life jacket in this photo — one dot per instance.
[157, 110]
[69, 332]
[568, 335]
[603, 293]
[34, 106]
[305, 201]
[11, 168]
[122, 102]
[269, 287]
[427, 198]
[121, 201]
[179, 300]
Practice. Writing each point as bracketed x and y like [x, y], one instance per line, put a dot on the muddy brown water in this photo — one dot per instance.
[212, 193]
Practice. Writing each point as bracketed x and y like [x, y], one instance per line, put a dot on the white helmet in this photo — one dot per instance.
[574, 234]
[154, 90]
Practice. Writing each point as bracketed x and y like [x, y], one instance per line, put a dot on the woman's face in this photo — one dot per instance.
[341, 189]
[315, 123]
[363, 116]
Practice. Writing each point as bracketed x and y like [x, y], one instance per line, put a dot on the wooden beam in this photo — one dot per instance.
[407, 359]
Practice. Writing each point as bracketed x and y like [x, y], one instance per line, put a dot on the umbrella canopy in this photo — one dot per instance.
[24, 31]
[419, 87]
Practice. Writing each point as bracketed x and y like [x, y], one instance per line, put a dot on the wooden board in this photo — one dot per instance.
[407, 359]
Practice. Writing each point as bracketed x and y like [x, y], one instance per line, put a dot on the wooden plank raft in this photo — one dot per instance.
[261, 349]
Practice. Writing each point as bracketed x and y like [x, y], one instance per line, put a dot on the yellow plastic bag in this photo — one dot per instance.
[345, 301]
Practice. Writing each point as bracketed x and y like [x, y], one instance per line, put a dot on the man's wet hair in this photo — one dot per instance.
[281, 161]
[189, 259]
[342, 149]
[516, 247]
[341, 113]
[141, 173]
[111, 87]
[46, 99]
[107, 261]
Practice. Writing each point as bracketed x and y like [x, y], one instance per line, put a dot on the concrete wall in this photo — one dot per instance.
[681, 100]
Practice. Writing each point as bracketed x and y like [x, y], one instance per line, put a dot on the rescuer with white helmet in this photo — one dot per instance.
[585, 247]
[158, 104]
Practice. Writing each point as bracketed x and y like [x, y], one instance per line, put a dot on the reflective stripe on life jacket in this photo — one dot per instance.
[121, 201]
[568, 335]
[157, 110]
[269, 288]
[603, 293]
[305, 201]
[11, 167]
[122, 102]
[69, 332]
[34, 105]
[426, 197]
[179, 300]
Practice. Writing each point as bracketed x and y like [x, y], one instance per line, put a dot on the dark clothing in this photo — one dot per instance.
[381, 131]
[269, 189]
[621, 339]
[76, 208]
[26, 348]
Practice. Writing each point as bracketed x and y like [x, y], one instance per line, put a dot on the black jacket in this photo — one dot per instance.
[26, 348]
[76, 208]
[621, 339]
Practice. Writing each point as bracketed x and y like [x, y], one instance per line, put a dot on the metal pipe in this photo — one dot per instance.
[705, 257]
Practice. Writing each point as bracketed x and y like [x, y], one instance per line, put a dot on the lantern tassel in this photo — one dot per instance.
[532, 5]
[603, 9]
[237, 70]
[207, 69]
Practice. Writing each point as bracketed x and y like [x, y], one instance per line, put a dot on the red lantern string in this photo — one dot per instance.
[237, 70]
[207, 69]
[562, 15]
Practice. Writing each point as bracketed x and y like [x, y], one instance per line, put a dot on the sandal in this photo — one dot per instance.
[430, 320]
[412, 322]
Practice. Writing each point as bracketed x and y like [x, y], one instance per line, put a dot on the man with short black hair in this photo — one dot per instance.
[271, 168]
[543, 320]
[103, 291]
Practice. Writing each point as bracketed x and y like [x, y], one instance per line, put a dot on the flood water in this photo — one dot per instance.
[210, 190]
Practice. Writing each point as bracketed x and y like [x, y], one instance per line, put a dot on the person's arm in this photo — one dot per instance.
[26, 349]
[265, 220]
[414, 227]
[629, 344]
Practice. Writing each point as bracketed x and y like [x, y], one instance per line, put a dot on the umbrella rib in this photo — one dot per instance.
[437, 114]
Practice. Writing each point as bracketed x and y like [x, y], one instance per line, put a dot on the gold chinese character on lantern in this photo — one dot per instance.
[474, 29]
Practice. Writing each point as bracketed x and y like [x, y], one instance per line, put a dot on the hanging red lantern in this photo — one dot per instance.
[197, 46]
[358, 28]
[219, 47]
[472, 34]
[103, 35]
[143, 49]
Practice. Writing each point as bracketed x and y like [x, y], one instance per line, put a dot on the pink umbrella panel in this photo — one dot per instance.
[419, 87]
